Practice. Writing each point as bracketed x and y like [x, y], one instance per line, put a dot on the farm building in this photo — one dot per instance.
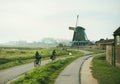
[117, 46]
[113, 49]
[101, 44]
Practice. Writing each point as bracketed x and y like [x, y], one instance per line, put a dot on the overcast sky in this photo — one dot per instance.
[33, 20]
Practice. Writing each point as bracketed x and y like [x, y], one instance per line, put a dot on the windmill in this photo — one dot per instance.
[79, 36]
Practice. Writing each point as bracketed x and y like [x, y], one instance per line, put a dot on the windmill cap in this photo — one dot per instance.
[80, 27]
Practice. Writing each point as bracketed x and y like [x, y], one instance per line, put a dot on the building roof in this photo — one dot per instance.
[117, 32]
[107, 41]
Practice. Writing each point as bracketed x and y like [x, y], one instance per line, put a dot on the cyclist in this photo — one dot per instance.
[38, 58]
[53, 56]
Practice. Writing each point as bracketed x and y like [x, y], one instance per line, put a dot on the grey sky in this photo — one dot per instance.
[33, 20]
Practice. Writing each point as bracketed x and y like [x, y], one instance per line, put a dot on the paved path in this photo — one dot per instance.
[71, 74]
[86, 75]
[86, 52]
[11, 73]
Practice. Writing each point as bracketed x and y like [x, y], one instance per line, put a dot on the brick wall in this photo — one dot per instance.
[109, 54]
[117, 54]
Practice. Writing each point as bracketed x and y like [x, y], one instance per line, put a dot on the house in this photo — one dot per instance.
[101, 44]
[113, 50]
[108, 46]
[117, 47]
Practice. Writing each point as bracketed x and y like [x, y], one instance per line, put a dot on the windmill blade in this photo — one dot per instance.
[71, 28]
[77, 20]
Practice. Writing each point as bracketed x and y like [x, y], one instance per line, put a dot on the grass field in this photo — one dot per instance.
[12, 56]
[95, 51]
[104, 72]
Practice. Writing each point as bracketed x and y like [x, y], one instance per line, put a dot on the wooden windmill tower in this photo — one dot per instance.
[79, 36]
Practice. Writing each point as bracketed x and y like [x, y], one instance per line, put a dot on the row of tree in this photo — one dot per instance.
[43, 42]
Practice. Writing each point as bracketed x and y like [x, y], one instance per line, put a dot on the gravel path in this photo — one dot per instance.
[86, 75]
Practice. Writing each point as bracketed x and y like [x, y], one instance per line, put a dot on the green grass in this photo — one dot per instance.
[45, 74]
[13, 56]
[104, 72]
[95, 51]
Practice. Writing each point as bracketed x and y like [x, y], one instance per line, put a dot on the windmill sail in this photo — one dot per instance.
[71, 28]
[77, 20]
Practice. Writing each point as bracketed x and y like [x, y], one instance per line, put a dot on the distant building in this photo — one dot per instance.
[108, 46]
[101, 44]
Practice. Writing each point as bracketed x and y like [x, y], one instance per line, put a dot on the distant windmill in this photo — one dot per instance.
[79, 36]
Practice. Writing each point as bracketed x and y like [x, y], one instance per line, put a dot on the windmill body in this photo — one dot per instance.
[79, 36]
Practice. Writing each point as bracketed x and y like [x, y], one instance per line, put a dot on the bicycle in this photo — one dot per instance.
[52, 58]
[37, 62]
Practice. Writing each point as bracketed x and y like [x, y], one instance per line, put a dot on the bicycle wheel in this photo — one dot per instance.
[39, 63]
[35, 63]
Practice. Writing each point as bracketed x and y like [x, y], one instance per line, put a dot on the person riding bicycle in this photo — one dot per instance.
[37, 57]
[53, 56]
